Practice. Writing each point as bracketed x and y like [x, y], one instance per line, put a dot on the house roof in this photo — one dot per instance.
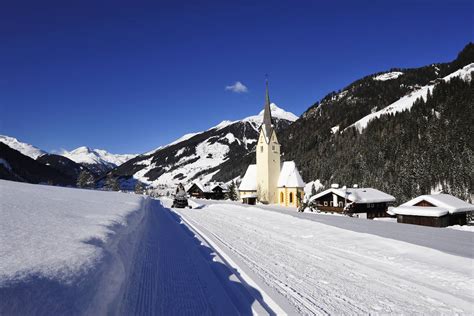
[249, 181]
[290, 176]
[443, 204]
[358, 195]
[208, 187]
[419, 211]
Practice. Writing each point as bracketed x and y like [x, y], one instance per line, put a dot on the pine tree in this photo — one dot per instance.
[232, 192]
[111, 183]
[138, 188]
[85, 180]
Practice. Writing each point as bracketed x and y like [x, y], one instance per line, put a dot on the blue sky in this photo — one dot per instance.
[128, 78]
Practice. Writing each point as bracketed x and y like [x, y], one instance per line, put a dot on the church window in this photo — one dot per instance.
[282, 197]
[291, 197]
[261, 149]
[273, 147]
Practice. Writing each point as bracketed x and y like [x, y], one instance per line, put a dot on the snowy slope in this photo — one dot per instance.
[26, 149]
[89, 156]
[407, 101]
[322, 269]
[201, 156]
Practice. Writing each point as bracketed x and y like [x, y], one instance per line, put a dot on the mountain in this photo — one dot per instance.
[26, 149]
[18, 167]
[404, 131]
[97, 160]
[221, 153]
[64, 165]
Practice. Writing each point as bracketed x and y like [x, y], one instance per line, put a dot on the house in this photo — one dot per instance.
[366, 202]
[438, 210]
[269, 181]
[213, 190]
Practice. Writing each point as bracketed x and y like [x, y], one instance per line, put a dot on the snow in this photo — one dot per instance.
[419, 211]
[443, 204]
[24, 148]
[309, 186]
[50, 232]
[290, 176]
[334, 129]
[358, 195]
[406, 102]
[388, 76]
[81, 252]
[277, 112]
[323, 269]
[249, 182]
[231, 138]
[88, 155]
[465, 228]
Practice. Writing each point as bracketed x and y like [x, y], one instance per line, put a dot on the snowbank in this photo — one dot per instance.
[55, 243]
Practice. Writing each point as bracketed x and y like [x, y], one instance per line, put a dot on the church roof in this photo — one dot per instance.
[249, 181]
[267, 116]
[290, 176]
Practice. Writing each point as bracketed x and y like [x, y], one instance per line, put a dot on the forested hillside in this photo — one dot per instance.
[429, 146]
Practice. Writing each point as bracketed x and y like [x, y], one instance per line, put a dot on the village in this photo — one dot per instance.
[271, 181]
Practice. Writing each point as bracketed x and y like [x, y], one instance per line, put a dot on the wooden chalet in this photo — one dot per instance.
[214, 191]
[364, 202]
[437, 210]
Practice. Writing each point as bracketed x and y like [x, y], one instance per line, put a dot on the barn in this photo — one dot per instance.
[364, 202]
[437, 210]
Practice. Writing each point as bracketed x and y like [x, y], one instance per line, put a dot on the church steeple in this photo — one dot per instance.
[267, 114]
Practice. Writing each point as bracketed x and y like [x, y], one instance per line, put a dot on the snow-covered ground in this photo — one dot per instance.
[323, 269]
[70, 251]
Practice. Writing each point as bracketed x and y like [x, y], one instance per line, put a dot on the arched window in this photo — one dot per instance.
[341, 204]
[291, 197]
[282, 197]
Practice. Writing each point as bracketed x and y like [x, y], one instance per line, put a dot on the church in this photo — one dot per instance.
[269, 181]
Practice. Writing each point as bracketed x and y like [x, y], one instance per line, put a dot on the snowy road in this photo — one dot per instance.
[175, 273]
[322, 269]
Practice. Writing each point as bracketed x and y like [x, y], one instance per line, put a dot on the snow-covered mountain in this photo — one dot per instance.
[405, 131]
[220, 153]
[98, 160]
[26, 149]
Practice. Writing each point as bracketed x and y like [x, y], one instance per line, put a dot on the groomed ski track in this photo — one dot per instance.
[174, 271]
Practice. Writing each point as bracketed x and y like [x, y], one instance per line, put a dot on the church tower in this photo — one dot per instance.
[268, 157]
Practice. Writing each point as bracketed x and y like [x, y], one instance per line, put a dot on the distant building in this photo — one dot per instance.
[213, 190]
[438, 210]
[270, 181]
[366, 202]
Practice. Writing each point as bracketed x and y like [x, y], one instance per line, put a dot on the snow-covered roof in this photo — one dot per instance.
[419, 211]
[208, 187]
[249, 182]
[443, 204]
[290, 176]
[358, 195]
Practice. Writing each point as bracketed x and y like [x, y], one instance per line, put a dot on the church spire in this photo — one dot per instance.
[267, 113]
